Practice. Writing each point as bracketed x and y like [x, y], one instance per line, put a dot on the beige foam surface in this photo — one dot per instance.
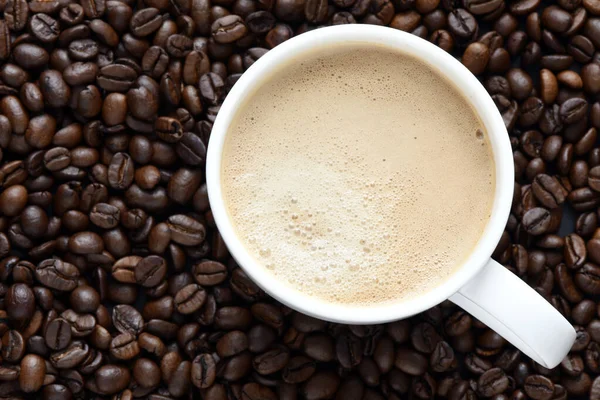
[359, 177]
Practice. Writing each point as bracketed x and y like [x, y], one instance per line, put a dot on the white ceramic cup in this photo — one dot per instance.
[481, 286]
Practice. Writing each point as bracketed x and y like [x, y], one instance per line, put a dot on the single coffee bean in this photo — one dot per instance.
[33, 371]
[124, 346]
[536, 221]
[85, 299]
[20, 302]
[186, 230]
[57, 274]
[111, 379]
[575, 251]
[588, 278]
[55, 90]
[209, 273]
[127, 319]
[189, 298]
[203, 372]
[178, 45]
[121, 171]
[16, 13]
[150, 271]
[191, 149]
[168, 129]
[73, 355]
[58, 334]
[145, 21]
[228, 29]
[183, 184]
[116, 77]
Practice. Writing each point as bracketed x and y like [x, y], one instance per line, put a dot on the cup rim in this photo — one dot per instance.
[443, 63]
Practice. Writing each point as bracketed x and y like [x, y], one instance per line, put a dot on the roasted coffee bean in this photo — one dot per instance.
[145, 21]
[32, 374]
[168, 129]
[19, 302]
[120, 171]
[93, 8]
[186, 230]
[228, 29]
[189, 298]
[536, 221]
[127, 319]
[150, 271]
[203, 372]
[575, 251]
[124, 346]
[112, 378]
[57, 274]
[211, 86]
[73, 355]
[178, 45]
[191, 149]
[116, 77]
[548, 190]
[209, 273]
[573, 110]
[588, 278]
[16, 13]
[55, 90]
[58, 334]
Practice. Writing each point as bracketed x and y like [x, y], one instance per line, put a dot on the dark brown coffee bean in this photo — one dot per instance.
[536, 221]
[124, 346]
[228, 29]
[72, 356]
[16, 13]
[168, 129]
[548, 190]
[93, 8]
[150, 271]
[178, 45]
[588, 278]
[5, 42]
[17, 116]
[145, 21]
[127, 319]
[203, 372]
[58, 334]
[583, 199]
[32, 374]
[55, 90]
[116, 77]
[575, 251]
[209, 273]
[191, 149]
[112, 378]
[189, 298]
[57, 275]
[180, 382]
[44, 28]
[20, 302]
[321, 385]
[121, 171]
[186, 230]
[573, 110]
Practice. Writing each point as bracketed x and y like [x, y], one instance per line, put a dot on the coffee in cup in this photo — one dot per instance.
[358, 175]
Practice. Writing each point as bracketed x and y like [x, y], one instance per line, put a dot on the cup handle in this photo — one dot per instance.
[506, 304]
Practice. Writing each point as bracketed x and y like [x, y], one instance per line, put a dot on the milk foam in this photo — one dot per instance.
[358, 177]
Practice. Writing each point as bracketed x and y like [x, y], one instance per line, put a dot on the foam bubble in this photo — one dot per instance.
[354, 200]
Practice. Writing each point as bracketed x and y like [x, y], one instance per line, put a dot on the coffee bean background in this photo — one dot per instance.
[115, 283]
